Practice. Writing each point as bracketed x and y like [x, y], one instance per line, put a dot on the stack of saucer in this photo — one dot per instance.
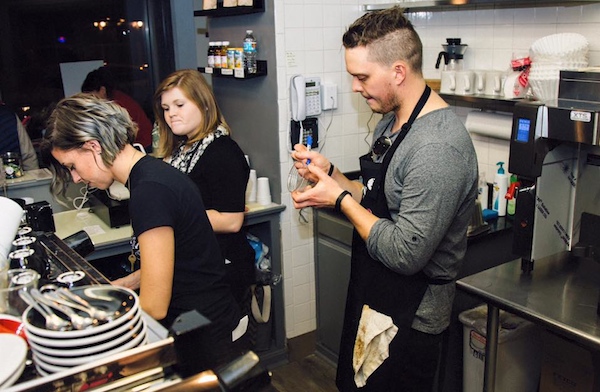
[12, 360]
[55, 351]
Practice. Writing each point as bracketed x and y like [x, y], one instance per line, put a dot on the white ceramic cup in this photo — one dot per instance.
[11, 213]
[494, 83]
[479, 80]
[13, 281]
[251, 187]
[465, 83]
[448, 82]
[263, 192]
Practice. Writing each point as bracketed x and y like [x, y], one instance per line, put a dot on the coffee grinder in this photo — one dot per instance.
[453, 55]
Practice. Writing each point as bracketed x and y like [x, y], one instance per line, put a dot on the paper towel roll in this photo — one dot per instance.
[489, 124]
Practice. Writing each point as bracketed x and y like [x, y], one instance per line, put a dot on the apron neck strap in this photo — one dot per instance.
[417, 109]
[407, 125]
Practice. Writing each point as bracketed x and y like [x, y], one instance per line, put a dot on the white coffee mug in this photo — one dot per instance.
[479, 80]
[465, 83]
[494, 83]
[448, 82]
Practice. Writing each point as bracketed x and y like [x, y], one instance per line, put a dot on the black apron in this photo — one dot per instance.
[377, 286]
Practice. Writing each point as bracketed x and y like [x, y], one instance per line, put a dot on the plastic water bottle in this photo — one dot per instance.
[250, 52]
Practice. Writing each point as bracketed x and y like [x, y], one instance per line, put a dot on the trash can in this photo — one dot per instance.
[518, 361]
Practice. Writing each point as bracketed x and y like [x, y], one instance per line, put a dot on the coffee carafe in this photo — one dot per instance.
[453, 55]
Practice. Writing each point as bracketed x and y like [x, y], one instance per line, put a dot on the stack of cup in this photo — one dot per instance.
[251, 187]
[263, 192]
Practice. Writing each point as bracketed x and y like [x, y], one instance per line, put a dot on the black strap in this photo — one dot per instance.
[407, 125]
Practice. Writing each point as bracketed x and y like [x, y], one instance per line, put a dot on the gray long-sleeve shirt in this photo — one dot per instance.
[430, 187]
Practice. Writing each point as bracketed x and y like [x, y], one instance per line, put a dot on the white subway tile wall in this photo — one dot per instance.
[308, 39]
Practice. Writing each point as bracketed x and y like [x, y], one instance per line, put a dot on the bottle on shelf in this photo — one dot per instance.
[211, 54]
[224, 49]
[500, 189]
[250, 52]
[218, 47]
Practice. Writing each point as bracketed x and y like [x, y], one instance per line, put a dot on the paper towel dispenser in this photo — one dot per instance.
[491, 124]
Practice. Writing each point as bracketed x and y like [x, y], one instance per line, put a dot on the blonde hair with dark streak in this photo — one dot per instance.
[79, 119]
[389, 36]
[195, 88]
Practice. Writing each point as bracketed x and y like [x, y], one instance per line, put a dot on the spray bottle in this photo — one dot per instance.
[500, 189]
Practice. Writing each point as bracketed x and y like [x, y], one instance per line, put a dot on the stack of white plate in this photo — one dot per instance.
[550, 55]
[55, 351]
[12, 360]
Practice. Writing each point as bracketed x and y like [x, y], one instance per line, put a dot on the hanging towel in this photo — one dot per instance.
[371, 348]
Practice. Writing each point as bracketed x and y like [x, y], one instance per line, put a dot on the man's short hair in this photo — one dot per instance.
[389, 35]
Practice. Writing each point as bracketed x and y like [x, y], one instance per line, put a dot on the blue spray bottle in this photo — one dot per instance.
[500, 189]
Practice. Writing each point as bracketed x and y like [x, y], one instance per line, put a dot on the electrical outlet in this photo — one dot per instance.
[329, 96]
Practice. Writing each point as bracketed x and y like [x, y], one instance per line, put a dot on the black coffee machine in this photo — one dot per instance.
[555, 153]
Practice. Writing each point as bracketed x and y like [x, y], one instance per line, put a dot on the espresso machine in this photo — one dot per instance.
[555, 153]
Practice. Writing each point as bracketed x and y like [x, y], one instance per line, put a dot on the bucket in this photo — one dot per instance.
[518, 362]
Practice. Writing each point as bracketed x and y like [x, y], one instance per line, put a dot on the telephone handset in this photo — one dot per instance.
[118, 191]
[305, 97]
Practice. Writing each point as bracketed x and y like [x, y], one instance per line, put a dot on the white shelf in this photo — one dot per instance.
[444, 5]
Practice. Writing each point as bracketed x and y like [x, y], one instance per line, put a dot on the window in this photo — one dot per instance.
[39, 35]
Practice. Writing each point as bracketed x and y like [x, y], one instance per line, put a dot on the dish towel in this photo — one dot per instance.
[371, 348]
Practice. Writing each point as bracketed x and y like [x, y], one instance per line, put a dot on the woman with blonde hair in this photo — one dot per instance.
[195, 138]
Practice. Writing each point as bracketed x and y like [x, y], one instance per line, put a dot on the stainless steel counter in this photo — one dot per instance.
[561, 294]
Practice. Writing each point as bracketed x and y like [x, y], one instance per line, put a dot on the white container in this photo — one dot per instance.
[518, 361]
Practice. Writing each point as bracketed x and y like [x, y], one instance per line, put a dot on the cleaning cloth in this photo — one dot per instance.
[371, 348]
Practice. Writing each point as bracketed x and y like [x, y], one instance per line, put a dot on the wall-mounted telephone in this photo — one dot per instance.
[305, 97]
[301, 130]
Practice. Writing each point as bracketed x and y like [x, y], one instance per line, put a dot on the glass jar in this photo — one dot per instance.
[11, 161]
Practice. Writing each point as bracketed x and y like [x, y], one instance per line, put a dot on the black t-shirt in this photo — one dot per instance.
[222, 174]
[163, 196]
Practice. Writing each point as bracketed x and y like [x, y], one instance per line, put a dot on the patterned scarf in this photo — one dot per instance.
[185, 159]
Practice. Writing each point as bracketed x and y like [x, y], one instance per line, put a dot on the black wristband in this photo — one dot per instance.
[331, 167]
[338, 202]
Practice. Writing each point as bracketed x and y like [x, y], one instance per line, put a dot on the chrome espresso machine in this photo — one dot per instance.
[555, 153]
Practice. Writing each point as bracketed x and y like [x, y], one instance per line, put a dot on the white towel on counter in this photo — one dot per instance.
[371, 348]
